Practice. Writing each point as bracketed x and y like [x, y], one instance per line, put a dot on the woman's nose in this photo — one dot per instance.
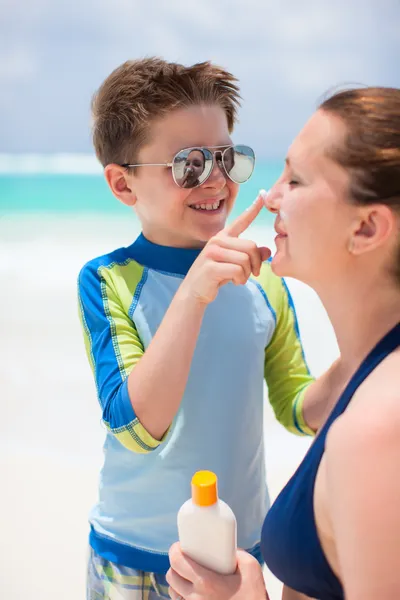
[272, 199]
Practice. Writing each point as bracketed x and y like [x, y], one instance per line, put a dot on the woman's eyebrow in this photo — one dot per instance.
[290, 164]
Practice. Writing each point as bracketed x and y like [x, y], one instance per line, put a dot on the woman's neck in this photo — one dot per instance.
[361, 311]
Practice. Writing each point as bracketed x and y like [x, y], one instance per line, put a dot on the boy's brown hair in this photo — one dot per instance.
[139, 91]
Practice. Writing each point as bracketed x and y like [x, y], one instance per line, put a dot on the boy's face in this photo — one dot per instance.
[167, 211]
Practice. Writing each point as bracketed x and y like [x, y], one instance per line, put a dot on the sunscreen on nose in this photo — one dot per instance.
[207, 526]
[264, 195]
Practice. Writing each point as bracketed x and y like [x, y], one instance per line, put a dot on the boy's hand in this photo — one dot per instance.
[226, 258]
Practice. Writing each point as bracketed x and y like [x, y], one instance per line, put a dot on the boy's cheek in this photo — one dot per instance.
[233, 193]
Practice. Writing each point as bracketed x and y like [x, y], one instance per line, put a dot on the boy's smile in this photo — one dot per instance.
[209, 205]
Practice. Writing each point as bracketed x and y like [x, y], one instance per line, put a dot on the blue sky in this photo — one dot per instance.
[286, 53]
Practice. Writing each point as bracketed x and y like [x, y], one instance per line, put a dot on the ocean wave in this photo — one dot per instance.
[61, 163]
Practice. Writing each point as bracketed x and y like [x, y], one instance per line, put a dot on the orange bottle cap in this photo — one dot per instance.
[204, 488]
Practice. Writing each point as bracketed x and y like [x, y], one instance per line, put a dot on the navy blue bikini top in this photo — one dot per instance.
[289, 540]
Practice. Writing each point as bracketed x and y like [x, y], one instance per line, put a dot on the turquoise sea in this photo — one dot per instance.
[76, 185]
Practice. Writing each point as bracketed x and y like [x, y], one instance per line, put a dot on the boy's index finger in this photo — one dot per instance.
[243, 221]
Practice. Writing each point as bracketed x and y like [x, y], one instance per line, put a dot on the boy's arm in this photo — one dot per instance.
[286, 372]
[300, 403]
[139, 391]
[318, 400]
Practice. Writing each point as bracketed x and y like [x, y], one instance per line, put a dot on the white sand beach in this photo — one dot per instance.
[51, 436]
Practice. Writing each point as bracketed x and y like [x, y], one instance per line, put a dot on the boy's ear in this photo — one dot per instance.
[118, 180]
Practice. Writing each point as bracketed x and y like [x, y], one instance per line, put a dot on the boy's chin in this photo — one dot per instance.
[204, 235]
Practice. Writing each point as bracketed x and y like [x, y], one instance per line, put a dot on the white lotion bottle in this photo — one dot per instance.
[207, 526]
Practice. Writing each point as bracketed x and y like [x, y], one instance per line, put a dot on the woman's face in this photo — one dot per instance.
[314, 217]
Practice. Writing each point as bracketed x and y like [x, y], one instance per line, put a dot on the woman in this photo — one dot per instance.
[334, 531]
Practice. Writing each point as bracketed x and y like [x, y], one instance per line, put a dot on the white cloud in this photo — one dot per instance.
[286, 54]
[20, 65]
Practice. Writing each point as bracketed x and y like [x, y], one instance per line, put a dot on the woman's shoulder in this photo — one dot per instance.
[380, 392]
[373, 416]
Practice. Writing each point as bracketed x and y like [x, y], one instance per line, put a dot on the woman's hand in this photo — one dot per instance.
[190, 581]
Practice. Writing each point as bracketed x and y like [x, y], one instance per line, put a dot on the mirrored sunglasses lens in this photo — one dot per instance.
[239, 163]
[191, 167]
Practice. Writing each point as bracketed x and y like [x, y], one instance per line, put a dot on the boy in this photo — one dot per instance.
[178, 332]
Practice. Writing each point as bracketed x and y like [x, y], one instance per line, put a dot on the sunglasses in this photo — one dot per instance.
[191, 167]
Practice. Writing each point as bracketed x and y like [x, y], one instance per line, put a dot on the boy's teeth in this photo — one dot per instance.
[207, 206]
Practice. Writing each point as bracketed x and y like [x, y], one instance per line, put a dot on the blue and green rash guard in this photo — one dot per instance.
[249, 332]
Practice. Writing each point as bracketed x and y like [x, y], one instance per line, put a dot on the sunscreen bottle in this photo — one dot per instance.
[207, 526]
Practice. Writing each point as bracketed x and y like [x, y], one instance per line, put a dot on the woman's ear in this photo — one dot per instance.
[375, 225]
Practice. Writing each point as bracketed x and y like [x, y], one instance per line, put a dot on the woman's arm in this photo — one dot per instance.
[363, 479]
[289, 594]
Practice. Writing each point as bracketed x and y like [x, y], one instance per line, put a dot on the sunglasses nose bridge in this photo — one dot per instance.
[217, 169]
[219, 162]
